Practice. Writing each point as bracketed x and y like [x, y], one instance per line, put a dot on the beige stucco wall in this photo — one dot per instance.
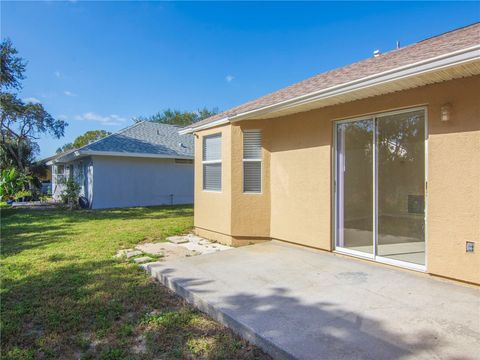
[297, 202]
[232, 216]
[213, 210]
[251, 212]
[454, 182]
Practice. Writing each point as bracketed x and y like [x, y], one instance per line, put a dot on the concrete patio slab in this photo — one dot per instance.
[298, 303]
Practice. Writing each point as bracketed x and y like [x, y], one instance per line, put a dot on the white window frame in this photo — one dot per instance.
[257, 160]
[57, 166]
[206, 162]
[59, 176]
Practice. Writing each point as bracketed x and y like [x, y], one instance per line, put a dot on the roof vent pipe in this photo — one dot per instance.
[376, 53]
[398, 44]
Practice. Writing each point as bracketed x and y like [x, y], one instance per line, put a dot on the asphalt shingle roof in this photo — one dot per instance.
[145, 138]
[432, 47]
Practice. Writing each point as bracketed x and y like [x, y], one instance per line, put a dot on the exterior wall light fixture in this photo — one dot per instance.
[446, 112]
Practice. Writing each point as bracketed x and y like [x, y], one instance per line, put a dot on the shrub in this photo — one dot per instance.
[22, 194]
[13, 182]
[71, 193]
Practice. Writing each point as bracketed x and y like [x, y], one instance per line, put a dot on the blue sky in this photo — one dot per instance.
[98, 64]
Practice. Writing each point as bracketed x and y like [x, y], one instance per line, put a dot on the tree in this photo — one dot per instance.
[21, 123]
[12, 67]
[27, 152]
[85, 139]
[176, 117]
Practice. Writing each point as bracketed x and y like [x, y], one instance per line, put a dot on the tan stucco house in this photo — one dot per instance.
[378, 160]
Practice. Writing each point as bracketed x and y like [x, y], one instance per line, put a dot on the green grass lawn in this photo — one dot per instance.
[64, 295]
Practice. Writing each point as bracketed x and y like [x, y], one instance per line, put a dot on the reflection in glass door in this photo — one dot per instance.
[380, 187]
[354, 183]
[401, 187]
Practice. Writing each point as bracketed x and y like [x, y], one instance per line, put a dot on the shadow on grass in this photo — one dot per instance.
[151, 212]
[24, 229]
[59, 302]
[98, 309]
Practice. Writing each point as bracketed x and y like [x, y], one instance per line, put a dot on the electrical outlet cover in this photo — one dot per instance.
[470, 246]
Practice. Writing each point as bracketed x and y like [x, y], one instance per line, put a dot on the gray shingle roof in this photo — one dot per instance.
[145, 138]
[435, 46]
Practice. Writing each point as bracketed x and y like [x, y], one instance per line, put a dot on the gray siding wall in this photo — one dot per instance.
[123, 182]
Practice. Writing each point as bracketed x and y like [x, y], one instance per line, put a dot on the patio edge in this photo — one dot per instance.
[220, 316]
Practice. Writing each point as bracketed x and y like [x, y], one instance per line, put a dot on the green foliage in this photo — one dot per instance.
[168, 319]
[113, 354]
[25, 150]
[70, 194]
[85, 139]
[12, 67]
[19, 354]
[21, 123]
[180, 118]
[22, 194]
[13, 184]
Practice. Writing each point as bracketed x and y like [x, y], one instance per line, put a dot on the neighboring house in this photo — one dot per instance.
[341, 161]
[46, 177]
[145, 164]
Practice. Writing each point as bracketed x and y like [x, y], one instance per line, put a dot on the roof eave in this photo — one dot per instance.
[80, 154]
[447, 60]
[191, 130]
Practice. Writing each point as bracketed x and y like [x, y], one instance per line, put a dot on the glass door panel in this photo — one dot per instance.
[355, 186]
[400, 144]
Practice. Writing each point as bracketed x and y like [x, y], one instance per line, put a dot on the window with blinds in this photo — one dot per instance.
[252, 161]
[212, 162]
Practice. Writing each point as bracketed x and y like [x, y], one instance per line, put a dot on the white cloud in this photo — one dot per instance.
[69, 93]
[104, 120]
[31, 100]
[57, 74]
[229, 78]
[62, 117]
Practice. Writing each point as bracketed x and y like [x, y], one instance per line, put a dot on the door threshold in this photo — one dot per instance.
[381, 260]
[356, 253]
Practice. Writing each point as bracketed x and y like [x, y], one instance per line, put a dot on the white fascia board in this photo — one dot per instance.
[66, 158]
[80, 154]
[130, 154]
[190, 130]
[443, 61]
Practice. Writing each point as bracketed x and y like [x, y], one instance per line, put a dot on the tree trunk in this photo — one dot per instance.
[17, 157]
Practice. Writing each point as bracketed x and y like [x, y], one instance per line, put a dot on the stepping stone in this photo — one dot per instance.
[192, 237]
[178, 239]
[122, 252]
[152, 248]
[150, 265]
[142, 259]
[130, 254]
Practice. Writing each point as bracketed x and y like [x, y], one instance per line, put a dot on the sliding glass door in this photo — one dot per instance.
[401, 187]
[354, 184]
[380, 187]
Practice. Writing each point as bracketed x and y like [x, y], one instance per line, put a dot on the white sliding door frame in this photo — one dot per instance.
[338, 194]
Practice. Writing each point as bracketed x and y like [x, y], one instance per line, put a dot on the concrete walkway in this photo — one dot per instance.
[306, 304]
